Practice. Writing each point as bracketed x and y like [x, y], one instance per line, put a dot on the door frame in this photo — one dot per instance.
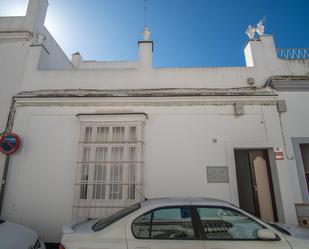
[297, 141]
[254, 145]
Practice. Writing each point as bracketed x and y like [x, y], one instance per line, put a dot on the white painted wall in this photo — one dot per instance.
[296, 119]
[178, 147]
[108, 65]
[41, 178]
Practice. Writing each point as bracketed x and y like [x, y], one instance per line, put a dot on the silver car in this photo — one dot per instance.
[178, 223]
[14, 236]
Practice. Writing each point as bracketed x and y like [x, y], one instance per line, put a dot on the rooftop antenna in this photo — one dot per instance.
[264, 19]
[141, 194]
[146, 33]
[146, 8]
[260, 27]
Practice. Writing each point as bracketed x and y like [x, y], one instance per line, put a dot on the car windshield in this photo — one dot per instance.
[114, 217]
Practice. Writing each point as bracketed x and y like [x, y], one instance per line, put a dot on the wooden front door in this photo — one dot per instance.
[254, 181]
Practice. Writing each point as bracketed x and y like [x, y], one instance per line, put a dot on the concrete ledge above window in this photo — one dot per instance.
[112, 117]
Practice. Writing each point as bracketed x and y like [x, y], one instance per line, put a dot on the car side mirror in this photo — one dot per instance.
[266, 234]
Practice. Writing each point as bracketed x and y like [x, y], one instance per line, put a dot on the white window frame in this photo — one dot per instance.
[89, 205]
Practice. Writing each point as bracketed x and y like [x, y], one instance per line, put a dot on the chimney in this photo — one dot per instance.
[145, 50]
[35, 16]
[261, 52]
[76, 59]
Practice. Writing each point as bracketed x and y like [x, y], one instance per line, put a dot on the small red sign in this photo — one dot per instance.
[9, 143]
[279, 154]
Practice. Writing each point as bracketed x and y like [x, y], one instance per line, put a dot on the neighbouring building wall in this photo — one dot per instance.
[295, 123]
[12, 66]
[296, 119]
[52, 56]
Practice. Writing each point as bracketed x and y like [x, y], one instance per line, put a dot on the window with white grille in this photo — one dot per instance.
[110, 163]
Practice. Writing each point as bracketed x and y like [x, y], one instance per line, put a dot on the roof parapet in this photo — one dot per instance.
[33, 22]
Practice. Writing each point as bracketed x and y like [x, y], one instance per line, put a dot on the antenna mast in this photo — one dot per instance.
[146, 8]
[146, 33]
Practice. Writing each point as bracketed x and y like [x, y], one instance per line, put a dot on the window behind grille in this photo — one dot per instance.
[99, 173]
[109, 169]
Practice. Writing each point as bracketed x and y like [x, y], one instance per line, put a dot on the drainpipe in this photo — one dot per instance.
[9, 126]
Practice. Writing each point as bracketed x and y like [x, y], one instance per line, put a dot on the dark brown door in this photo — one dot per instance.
[254, 182]
[304, 148]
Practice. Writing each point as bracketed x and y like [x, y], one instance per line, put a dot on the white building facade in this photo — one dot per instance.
[98, 136]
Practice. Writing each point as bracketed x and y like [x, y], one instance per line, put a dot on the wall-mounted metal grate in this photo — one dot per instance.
[293, 53]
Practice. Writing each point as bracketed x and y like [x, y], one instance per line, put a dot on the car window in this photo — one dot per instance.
[114, 217]
[164, 223]
[141, 226]
[220, 223]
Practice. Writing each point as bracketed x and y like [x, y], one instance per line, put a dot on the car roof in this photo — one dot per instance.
[175, 201]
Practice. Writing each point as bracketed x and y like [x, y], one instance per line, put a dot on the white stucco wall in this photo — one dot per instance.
[41, 177]
[296, 119]
[178, 147]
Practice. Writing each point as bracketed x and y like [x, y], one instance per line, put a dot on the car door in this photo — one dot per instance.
[164, 228]
[227, 228]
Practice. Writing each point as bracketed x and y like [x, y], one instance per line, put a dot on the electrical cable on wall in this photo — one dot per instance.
[290, 157]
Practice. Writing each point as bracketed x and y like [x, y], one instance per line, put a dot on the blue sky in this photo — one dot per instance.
[187, 33]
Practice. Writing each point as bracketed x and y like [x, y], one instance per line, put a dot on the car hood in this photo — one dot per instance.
[81, 225]
[295, 231]
[16, 236]
[297, 242]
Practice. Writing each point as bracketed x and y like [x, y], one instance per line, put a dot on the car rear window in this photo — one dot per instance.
[114, 217]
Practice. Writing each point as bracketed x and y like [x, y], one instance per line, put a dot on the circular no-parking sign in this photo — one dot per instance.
[9, 143]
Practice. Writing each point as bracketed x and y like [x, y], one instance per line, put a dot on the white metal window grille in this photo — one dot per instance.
[109, 167]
